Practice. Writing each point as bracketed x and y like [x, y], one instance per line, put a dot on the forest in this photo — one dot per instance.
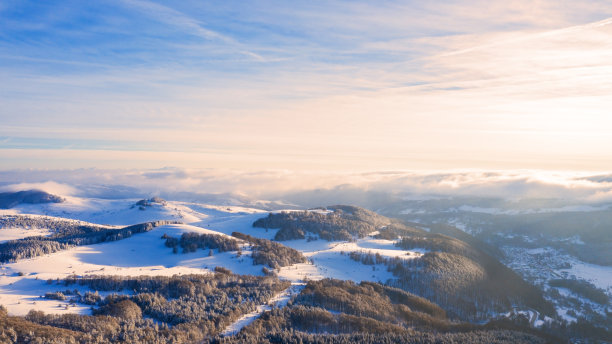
[264, 252]
[271, 253]
[196, 308]
[334, 311]
[191, 241]
[177, 309]
[339, 223]
[583, 288]
[469, 283]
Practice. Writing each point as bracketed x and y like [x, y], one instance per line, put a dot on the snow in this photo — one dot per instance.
[531, 314]
[14, 233]
[321, 211]
[279, 300]
[104, 211]
[461, 226]
[239, 223]
[572, 240]
[539, 250]
[599, 275]
[546, 320]
[563, 314]
[335, 265]
[20, 295]
[141, 254]
[329, 262]
[7, 234]
[564, 209]
[58, 189]
[22, 282]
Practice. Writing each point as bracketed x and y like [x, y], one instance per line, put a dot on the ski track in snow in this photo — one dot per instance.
[279, 300]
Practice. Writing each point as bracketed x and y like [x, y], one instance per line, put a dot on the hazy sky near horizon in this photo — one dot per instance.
[333, 85]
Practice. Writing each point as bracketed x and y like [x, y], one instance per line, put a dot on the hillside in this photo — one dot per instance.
[333, 311]
[11, 199]
[468, 282]
[240, 274]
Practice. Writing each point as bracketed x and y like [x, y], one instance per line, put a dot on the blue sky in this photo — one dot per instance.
[340, 85]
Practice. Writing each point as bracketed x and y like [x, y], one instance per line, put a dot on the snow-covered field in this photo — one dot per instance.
[331, 260]
[111, 212]
[142, 254]
[599, 275]
[19, 233]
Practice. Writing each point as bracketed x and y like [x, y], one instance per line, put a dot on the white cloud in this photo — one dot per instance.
[275, 184]
[55, 188]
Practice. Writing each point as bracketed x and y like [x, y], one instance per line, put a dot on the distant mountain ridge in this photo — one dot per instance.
[11, 199]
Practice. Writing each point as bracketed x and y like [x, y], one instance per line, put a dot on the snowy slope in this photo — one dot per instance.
[141, 254]
[22, 282]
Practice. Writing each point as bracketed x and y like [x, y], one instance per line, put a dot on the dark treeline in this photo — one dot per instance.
[333, 311]
[582, 288]
[190, 242]
[52, 223]
[397, 230]
[98, 235]
[341, 223]
[438, 242]
[369, 299]
[465, 288]
[196, 308]
[14, 250]
[65, 234]
[415, 337]
[177, 309]
[264, 252]
[75, 296]
[271, 253]
[143, 204]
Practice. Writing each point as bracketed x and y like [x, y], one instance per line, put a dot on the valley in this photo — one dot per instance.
[139, 242]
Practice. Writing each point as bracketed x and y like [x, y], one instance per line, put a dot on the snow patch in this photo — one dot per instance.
[7, 234]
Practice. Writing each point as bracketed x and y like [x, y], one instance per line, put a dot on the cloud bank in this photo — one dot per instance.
[313, 187]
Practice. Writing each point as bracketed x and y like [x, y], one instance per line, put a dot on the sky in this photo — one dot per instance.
[306, 86]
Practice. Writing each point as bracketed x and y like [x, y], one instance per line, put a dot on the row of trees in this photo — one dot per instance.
[65, 234]
[583, 288]
[413, 337]
[271, 253]
[340, 223]
[369, 299]
[333, 311]
[196, 308]
[177, 309]
[191, 241]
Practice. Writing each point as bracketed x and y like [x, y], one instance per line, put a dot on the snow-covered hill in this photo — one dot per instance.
[23, 282]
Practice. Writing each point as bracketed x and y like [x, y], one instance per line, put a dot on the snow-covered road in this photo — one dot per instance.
[279, 300]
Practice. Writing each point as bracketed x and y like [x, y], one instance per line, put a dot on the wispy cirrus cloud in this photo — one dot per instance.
[315, 84]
